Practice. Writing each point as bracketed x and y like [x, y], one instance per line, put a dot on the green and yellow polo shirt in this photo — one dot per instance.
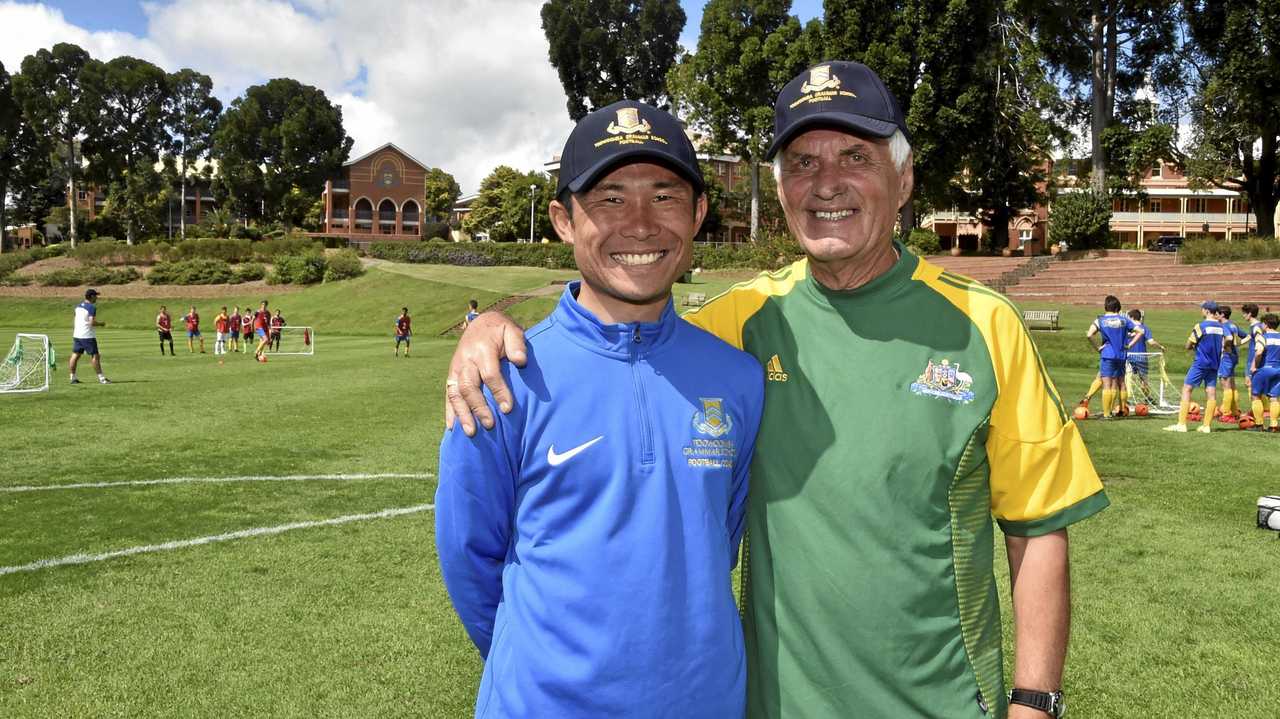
[899, 418]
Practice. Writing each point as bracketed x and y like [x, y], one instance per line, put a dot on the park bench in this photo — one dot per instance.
[694, 299]
[1040, 319]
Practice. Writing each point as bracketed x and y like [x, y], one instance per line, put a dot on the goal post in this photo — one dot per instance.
[1147, 382]
[26, 366]
[293, 341]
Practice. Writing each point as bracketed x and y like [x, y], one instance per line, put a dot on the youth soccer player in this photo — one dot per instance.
[1114, 330]
[246, 329]
[261, 326]
[1256, 329]
[164, 326]
[1231, 339]
[1266, 371]
[1206, 341]
[234, 327]
[221, 323]
[404, 331]
[473, 308]
[192, 320]
[1139, 343]
[277, 324]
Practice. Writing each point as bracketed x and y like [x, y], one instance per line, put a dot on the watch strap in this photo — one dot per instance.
[1048, 702]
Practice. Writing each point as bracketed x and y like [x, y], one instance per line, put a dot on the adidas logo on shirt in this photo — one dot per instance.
[773, 368]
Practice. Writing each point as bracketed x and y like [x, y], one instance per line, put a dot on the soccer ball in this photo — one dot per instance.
[1080, 413]
[1246, 422]
[262, 359]
[1194, 407]
[1141, 410]
[1194, 416]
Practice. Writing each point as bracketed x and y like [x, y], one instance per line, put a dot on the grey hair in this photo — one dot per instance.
[899, 152]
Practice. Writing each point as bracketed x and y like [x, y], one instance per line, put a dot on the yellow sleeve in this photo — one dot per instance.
[727, 313]
[1042, 478]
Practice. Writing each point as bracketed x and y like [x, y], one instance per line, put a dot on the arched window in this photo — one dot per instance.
[364, 214]
[387, 217]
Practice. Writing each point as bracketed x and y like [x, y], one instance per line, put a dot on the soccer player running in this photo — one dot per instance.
[234, 327]
[192, 320]
[1140, 343]
[869, 584]
[1206, 342]
[84, 337]
[1232, 336]
[472, 313]
[587, 542]
[404, 331]
[261, 327]
[221, 324]
[164, 326]
[1266, 372]
[277, 324]
[1114, 330]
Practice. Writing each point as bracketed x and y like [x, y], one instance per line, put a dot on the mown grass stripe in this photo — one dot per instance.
[218, 480]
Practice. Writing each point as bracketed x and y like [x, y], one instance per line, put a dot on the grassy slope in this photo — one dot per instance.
[1171, 584]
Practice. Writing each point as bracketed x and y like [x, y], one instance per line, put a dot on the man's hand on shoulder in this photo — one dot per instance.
[476, 364]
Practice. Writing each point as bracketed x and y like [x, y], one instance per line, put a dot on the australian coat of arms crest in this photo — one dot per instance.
[945, 380]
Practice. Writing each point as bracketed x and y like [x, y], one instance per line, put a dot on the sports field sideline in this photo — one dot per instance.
[316, 592]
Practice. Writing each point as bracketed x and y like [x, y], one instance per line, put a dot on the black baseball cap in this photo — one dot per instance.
[90, 293]
[841, 94]
[626, 130]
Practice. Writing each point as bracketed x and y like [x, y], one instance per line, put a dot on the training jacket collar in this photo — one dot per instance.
[617, 340]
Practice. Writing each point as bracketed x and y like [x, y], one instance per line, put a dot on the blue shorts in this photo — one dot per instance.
[84, 346]
[1227, 368]
[193, 333]
[402, 338]
[260, 332]
[1266, 381]
[1111, 368]
[1199, 375]
[1139, 367]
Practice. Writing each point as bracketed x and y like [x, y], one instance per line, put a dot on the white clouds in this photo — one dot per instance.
[460, 84]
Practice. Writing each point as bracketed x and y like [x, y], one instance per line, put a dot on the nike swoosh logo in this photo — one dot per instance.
[555, 460]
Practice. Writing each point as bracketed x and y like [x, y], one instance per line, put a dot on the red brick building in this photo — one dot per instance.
[379, 193]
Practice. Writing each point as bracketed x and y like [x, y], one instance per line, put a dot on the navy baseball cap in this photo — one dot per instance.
[1209, 305]
[841, 94]
[90, 293]
[626, 130]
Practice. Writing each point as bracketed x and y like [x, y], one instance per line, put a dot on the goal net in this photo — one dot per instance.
[1148, 383]
[292, 341]
[26, 366]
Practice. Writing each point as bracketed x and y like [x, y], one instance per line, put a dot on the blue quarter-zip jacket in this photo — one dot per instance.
[587, 540]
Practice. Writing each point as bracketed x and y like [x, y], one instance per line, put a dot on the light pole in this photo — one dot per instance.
[532, 188]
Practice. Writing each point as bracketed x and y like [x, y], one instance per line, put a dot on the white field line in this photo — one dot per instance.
[229, 536]
[186, 480]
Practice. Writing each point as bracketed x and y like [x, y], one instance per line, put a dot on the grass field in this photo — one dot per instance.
[1173, 587]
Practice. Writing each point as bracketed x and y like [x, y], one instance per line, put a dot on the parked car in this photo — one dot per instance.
[1167, 243]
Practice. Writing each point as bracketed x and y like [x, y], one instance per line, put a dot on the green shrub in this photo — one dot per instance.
[200, 271]
[57, 250]
[924, 242]
[1198, 251]
[251, 272]
[435, 229]
[15, 281]
[1082, 219]
[227, 250]
[108, 251]
[342, 265]
[296, 244]
[11, 261]
[297, 270]
[89, 275]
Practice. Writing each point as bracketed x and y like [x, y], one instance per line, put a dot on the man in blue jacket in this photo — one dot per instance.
[587, 542]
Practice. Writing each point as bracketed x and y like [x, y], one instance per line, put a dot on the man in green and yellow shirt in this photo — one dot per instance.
[886, 447]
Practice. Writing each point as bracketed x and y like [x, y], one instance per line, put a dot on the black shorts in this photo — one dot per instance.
[84, 346]
[165, 335]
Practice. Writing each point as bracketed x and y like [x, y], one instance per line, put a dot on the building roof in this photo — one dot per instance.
[375, 151]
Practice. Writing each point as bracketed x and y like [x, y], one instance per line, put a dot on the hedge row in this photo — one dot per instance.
[10, 262]
[1205, 250]
[107, 251]
[91, 275]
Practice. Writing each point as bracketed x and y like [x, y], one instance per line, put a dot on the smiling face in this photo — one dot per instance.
[632, 236]
[841, 194]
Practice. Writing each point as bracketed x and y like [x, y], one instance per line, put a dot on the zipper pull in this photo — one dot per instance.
[637, 336]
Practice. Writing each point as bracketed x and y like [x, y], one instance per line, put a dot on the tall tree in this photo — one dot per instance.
[1104, 51]
[1233, 63]
[442, 193]
[611, 50]
[10, 124]
[191, 115]
[56, 104]
[279, 136]
[928, 54]
[125, 138]
[503, 207]
[745, 54]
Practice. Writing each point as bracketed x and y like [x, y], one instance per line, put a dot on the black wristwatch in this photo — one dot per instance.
[1051, 703]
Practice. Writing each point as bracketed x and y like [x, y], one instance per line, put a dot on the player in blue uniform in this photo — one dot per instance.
[1266, 371]
[1206, 340]
[1115, 330]
[1255, 329]
[1232, 338]
[1140, 343]
[587, 541]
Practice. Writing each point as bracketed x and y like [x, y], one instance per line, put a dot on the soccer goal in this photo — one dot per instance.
[26, 367]
[294, 341]
[1148, 383]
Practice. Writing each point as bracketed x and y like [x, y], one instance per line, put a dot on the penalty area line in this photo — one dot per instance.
[227, 537]
[216, 480]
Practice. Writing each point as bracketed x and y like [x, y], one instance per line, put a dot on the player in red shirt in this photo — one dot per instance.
[261, 322]
[192, 319]
[164, 325]
[404, 331]
[221, 324]
[277, 322]
[246, 327]
[235, 329]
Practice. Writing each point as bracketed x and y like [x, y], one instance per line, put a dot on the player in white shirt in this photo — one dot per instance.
[84, 340]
